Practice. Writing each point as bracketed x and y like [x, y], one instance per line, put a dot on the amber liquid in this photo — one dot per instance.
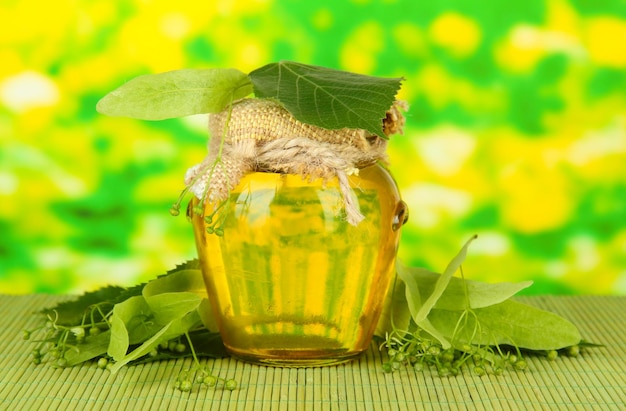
[291, 282]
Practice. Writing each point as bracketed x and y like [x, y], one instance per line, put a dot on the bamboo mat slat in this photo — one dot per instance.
[596, 380]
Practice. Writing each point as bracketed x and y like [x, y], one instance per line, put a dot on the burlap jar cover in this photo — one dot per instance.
[261, 135]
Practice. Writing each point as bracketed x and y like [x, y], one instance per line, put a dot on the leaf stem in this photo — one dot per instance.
[191, 348]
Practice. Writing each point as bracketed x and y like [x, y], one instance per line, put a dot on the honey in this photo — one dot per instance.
[290, 281]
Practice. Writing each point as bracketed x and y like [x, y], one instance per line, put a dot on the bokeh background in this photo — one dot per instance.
[516, 130]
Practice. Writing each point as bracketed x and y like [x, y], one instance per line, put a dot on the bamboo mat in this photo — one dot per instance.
[594, 380]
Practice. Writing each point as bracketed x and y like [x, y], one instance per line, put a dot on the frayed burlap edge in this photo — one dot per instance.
[261, 135]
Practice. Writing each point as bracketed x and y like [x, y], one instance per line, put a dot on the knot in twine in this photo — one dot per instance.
[261, 135]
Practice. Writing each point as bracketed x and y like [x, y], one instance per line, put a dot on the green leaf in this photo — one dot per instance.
[93, 346]
[71, 312]
[142, 317]
[171, 330]
[182, 280]
[175, 295]
[434, 332]
[509, 322]
[395, 314]
[168, 308]
[442, 283]
[205, 344]
[412, 291]
[176, 94]
[464, 311]
[327, 98]
[460, 290]
[128, 317]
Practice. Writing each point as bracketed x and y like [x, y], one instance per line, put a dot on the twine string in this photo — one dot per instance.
[263, 136]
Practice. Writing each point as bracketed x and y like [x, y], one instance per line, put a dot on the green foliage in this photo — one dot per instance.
[327, 98]
[324, 97]
[128, 325]
[72, 312]
[176, 94]
[465, 320]
[152, 334]
[507, 323]
[428, 319]
[169, 296]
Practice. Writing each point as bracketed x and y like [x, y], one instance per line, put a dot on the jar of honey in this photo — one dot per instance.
[290, 281]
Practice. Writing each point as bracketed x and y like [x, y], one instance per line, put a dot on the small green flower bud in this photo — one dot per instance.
[573, 351]
[175, 210]
[210, 380]
[466, 348]
[447, 356]
[185, 386]
[230, 385]
[520, 365]
[61, 362]
[478, 370]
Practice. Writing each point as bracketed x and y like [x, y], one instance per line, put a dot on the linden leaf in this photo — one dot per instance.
[413, 297]
[71, 312]
[176, 93]
[327, 98]
[131, 317]
[461, 293]
[509, 322]
[442, 283]
[396, 313]
[93, 346]
[175, 295]
[173, 329]
[205, 344]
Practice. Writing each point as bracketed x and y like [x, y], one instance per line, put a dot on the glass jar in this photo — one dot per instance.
[291, 283]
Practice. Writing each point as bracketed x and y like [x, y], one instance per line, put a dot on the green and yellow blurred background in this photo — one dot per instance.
[516, 130]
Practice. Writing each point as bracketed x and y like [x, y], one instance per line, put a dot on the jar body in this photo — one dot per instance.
[291, 283]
